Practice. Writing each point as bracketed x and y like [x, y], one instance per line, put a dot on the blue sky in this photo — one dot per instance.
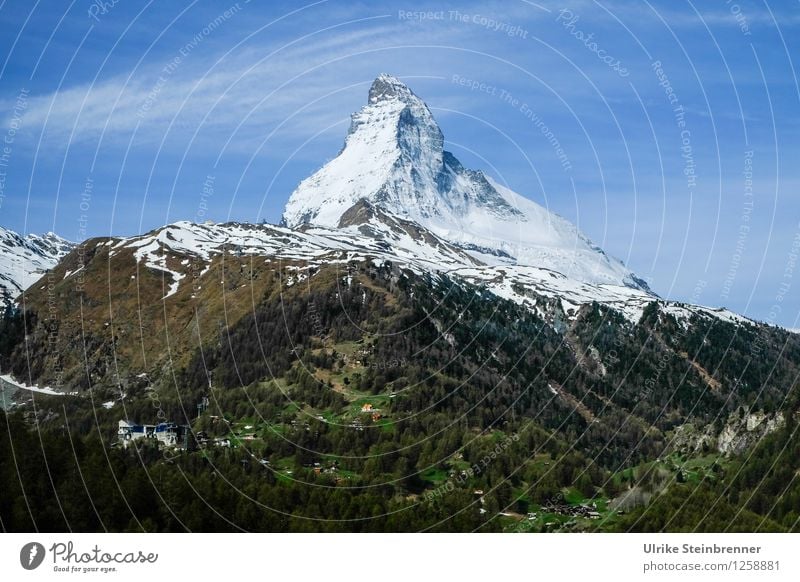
[144, 101]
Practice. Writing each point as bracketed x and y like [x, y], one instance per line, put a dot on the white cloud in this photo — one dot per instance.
[219, 95]
[245, 91]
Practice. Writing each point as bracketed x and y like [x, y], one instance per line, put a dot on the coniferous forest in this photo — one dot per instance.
[377, 399]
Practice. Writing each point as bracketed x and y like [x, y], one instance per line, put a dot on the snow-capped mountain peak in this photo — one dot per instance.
[24, 259]
[386, 87]
[394, 158]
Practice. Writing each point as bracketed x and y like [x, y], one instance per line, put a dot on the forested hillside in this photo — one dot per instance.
[365, 397]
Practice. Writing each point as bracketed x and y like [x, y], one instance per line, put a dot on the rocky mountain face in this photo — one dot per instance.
[24, 259]
[741, 431]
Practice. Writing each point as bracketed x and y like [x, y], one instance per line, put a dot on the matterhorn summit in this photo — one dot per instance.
[394, 160]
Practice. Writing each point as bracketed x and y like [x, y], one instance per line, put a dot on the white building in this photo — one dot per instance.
[166, 433]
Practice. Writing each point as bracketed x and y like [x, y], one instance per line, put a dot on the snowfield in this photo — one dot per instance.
[7, 379]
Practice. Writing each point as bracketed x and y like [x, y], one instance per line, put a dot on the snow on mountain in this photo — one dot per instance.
[393, 158]
[528, 285]
[368, 234]
[23, 260]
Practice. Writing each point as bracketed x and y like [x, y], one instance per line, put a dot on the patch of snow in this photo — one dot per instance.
[22, 386]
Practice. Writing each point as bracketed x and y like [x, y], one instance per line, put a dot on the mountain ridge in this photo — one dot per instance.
[372, 216]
